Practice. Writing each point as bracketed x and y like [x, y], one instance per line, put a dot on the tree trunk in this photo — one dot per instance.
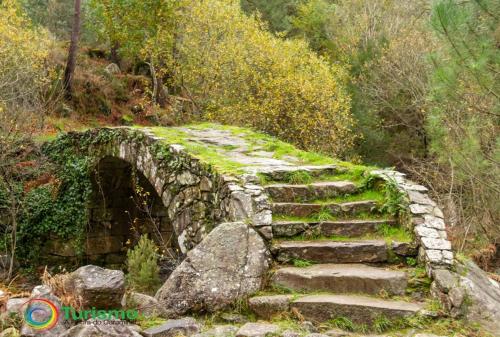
[73, 50]
[115, 56]
[161, 95]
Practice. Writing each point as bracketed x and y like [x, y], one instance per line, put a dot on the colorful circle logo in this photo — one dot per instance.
[41, 314]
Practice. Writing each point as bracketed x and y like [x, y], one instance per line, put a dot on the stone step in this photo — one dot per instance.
[342, 278]
[292, 228]
[352, 228]
[280, 174]
[368, 251]
[358, 309]
[336, 209]
[349, 228]
[320, 190]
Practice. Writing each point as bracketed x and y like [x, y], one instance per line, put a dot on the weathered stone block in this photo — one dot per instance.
[97, 287]
[266, 306]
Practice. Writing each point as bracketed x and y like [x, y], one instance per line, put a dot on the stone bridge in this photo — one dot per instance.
[193, 179]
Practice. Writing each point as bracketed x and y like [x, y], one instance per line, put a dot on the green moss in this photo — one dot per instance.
[286, 323]
[394, 233]
[260, 141]
[208, 154]
[418, 282]
[302, 263]
[268, 143]
[149, 322]
[298, 177]
[377, 196]
[314, 219]
[389, 234]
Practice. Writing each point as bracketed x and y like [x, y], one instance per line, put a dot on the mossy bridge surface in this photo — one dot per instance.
[333, 228]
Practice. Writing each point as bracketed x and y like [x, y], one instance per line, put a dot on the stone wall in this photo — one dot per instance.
[425, 219]
[462, 288]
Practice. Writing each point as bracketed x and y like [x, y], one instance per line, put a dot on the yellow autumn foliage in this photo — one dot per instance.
[23, 52]
[239, 73]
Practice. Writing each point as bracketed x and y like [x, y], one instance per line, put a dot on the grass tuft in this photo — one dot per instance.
[298, 177]
[302, 263]
[343, 323]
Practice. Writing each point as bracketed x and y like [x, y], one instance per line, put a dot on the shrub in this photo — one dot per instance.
[238, 73]
[142, 264]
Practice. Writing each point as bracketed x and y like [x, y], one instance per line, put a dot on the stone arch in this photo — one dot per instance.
[195, 197]
[189, 192]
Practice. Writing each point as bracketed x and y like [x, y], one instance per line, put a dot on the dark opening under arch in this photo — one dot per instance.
[124, 205]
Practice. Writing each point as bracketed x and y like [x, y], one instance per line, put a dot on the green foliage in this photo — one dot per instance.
[411, 261]
[142, 264]
[324, 214]
[463, 121]
[240, 74]
[343, 323]
[418, 281]
[394, 233]
[298, 177]
[55, 15]
[374, 41]
[395, 200]
[58, 208]
[382, 324]
[301, 263]
[279, 14]
[23, 69]
[311, 22]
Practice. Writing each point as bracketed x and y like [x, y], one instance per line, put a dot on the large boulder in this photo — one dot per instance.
[230, 263]
[481, 297]
[97, 287]
[98, 328]
[469, 292]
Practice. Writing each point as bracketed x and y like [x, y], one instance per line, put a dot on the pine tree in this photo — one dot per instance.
[142, 263]
[465, 119]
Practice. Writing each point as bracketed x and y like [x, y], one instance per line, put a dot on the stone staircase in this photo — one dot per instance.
[340, 267]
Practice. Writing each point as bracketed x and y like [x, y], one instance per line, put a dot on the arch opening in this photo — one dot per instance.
[123, 206]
